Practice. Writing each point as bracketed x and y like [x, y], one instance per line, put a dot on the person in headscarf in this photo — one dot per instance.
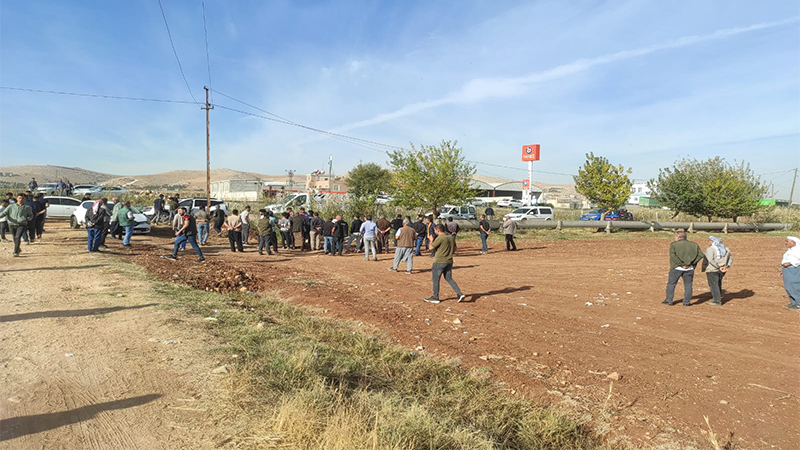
[790, 271]
[715, 265]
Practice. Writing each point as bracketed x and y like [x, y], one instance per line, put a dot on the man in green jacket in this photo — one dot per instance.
[264, 227]
[444, 245]
[18, 214]
[683, 257]
[125, 218]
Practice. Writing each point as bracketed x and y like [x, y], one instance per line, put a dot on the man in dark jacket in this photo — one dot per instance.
[422, 233]
[327, 235]
[339, 233]
[355, 234]
[683, 257]
[18, 214]
[297, 231]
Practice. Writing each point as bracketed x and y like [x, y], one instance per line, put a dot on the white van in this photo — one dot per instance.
[466, 212]
[531, 213]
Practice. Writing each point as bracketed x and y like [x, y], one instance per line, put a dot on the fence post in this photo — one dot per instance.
[558, 226]
[608, 227]
[691, 227]
[725, 230]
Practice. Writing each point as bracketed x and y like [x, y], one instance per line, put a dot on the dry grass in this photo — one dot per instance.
[308, 382]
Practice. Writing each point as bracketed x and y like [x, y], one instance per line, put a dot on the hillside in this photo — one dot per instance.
[190, 179]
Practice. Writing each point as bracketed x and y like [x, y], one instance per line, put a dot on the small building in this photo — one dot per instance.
[242, 190]
[319, 181]
[638, 191]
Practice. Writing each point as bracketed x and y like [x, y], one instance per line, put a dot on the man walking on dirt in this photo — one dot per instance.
[683, 256]
[264, 227]
[234, 226]
[369, 230]
[18, 215]
[444, 245]
[316, 232]
[404, 250]
[187, 232]
[125, 217]
[246, 225]
[422, 234]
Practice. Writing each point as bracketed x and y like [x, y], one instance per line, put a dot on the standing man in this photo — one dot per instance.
[422, 233]
[297, 231]
[234, 226]
[396, 223]
[246, 225]
[327, 235]
[431, 234]
[32, 185]
[285, 226]
[219, 219]
[509, 230]
[339, 233]
[96, 221]
[264, 227]
[43, 205]
[369, 231]
[30, 233]
[485, 229]
[683, 256]
[18, 215]
[158, 207]
[355, 233]
[316, 231]
[383, 237]
[404, 250]
[173, 207]
[444, 245]
[3, 220]
[187, 232]
[716, 264]
[125, 217]
[489, 212]
[201, 217]
[114, 228]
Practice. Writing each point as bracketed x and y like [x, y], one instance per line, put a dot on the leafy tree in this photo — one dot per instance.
[708, 188]
[431, 176]
[603, 184]
[365, 182]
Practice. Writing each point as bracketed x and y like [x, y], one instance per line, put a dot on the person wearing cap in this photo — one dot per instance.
[187, 233]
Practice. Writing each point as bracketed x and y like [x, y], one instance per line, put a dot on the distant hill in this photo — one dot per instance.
[188, 179]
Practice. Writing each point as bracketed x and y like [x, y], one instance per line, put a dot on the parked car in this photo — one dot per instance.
[614, 214]
[466, 212]
[108, 191]
[477, 202]
[61, 207]
[141, 224]
[81, 189]
[46, 188]
[383, 199]
[510, 203]
[531, 213]
[194, 204]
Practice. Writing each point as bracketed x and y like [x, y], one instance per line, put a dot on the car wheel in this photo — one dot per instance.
[73, 222]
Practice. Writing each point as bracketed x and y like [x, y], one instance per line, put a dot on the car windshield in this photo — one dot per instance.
[520, 211]
[595, 211]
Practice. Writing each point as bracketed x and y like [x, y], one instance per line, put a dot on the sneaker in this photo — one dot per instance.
[172, 257]
[408, 272]
[667, 303]
[16, 254]
[260, 253]
[392, 269]
[432, 300]
[714, 304]
[461, 298]
[201, 259]
[792, 307]
[687, 304]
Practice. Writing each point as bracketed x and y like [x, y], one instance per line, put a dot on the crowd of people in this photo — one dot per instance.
[23, 218]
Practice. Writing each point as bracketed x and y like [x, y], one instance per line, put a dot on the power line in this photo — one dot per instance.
[114, 97]
[208, 58]
[175, 51]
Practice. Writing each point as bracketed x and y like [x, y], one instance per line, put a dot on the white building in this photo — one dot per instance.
[638, 190]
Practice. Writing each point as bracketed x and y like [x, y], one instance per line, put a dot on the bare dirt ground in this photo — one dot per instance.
[527, 319]
[89, 361]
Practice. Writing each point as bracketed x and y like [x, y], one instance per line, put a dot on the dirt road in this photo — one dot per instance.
[89, 360]
[528, 319]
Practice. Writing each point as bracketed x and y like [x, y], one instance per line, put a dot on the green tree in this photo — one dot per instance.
[364, 182]
[709, 188]
[431, 176]
[602, 183]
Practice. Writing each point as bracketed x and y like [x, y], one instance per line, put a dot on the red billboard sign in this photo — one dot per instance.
[530, 152]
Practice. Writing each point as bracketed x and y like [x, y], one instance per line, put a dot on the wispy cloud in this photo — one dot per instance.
[481, 89]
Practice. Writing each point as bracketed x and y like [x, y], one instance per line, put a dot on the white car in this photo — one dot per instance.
[108, 191]
[383, 199]
[477, 202]
[510, 203]
[141, 225]
[47, 188]
[531, 213]
[81, 189]
[61, 207]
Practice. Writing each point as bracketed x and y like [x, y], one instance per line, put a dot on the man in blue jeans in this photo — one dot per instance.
[125, 218]
[444, 245]
[188, 232]
[485, 228]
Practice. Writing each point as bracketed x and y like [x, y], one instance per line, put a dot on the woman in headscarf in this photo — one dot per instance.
[718, 260]
[790, 270]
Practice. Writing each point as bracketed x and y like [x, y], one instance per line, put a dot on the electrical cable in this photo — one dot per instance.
[175, 51]
[114, 97]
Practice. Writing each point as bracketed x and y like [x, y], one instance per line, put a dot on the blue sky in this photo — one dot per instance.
[641, 83]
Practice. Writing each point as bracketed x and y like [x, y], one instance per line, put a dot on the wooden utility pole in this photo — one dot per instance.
[791, 193]
[208, 108]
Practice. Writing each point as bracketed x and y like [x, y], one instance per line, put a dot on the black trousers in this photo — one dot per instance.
[674, 276]
[16, 233]
[235, 238]
[510, 245]
[3, 229]
[40, 225]
[438, 269]
[265, 242]
[715, 284]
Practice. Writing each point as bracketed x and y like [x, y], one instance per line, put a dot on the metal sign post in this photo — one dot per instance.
[530, 153]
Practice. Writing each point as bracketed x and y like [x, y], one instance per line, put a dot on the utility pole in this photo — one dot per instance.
[791, 193]
[291, 177]
[330, 172]
[208, 108]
